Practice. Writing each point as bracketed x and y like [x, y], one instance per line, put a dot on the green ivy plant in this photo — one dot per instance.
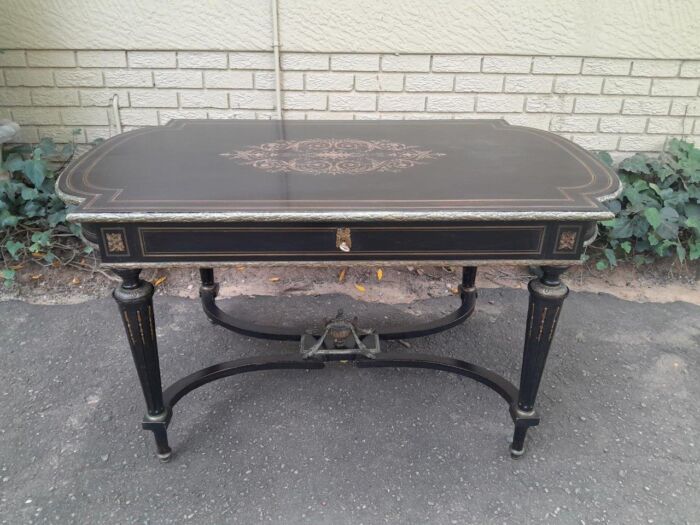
[32, 217]
[658, 212]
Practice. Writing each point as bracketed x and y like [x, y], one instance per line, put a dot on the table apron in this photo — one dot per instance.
[166, 243]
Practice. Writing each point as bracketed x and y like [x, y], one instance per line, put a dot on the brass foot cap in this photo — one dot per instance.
[516, 454]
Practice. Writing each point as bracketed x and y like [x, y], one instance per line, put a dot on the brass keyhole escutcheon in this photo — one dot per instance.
[342, 239]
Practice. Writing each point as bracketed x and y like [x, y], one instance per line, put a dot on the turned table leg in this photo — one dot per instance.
[547, 296]
[135, 300]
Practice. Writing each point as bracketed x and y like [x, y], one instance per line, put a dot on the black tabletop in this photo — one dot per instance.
[308, 170]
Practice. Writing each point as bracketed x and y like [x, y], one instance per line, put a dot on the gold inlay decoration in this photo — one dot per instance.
[567, 240]
[128, 326]
[544, 319]
[115, 242]
[138, 317]
[343, 239]
[554, 323]
[333, 156]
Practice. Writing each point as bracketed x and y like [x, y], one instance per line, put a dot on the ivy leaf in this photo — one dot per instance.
[13, 248]
[56, 218]
[668, 229]
[8, 275]
[692, 210]
[47, 146]
[14, 163]
[635, 164]
[42, 238]
[605, 158]
[29, 194]
[694, 252]
[7, 219]
[35, 169]
[614, 206]
[626, 246]
[694, 224]
[610, 255]
[622, 228]
[653, 216]
[680, 251]
[601, 265]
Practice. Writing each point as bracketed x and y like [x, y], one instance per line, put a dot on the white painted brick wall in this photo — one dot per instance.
[507, 64]
[606, 66]
[561, 65]
[152, 59]
[204, 99]
[54, 97]
[291, 80]
[528, 84]
[479, 83]
[429, 82]
[401, 102]
[127, 78]
[228, 79]
[456, 64]
[202, 60]
[329, 81]
[597, 105]
[619, 105]
[623, 124]
[500, 103]
[405, 62]
[352, 102]
[146, 98]
[51, 58]
[379, 82]
[355, 62]
[102, 58]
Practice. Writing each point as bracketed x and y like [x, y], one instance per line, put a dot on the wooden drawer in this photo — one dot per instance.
[337, 242]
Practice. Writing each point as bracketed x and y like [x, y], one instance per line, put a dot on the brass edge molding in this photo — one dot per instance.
[66, 197]
[591, 239]
[340, 263]
[398, 216]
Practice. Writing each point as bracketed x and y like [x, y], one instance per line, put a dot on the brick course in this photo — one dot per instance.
[619, 105]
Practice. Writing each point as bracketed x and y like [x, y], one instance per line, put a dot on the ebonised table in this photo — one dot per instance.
[459, 192]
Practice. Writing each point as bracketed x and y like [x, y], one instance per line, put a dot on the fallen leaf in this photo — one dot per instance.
[37, 255]
[75, 281]
[274, 279]
[360, 288]
[240, 268]
[17, 267]
[380, 274]
[36, 277]
[453, 289]
[342, 274]
[56, 263]
[159, 281]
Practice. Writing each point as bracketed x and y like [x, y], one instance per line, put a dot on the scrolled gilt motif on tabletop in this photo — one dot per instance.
[333, 156]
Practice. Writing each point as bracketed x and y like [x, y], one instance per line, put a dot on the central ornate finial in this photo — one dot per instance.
[332, 156]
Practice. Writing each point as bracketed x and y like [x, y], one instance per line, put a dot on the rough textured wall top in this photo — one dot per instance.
[620, 28]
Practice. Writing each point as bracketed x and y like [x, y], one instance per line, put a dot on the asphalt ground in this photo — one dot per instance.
[618, 442]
